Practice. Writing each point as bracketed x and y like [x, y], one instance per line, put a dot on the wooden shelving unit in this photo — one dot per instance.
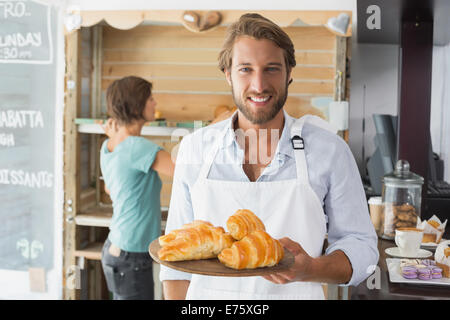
[100, 216]
[92, 251]
[154, 128]
[88, 211]
[97, 216]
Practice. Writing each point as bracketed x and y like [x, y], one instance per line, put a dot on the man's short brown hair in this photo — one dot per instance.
[256, 26]
[126, 99]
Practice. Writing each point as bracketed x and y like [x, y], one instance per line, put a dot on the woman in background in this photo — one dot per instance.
[130, 165]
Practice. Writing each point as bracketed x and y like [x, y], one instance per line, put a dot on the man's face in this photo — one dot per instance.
[258, 79]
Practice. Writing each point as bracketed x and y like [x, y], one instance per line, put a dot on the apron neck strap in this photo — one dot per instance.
[209, 158]
[298, 144]
[296, 141]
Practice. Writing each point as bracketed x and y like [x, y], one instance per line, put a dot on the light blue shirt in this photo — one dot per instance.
[333, 175]
[135, 193]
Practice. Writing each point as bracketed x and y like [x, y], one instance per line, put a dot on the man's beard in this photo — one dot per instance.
[262, 116]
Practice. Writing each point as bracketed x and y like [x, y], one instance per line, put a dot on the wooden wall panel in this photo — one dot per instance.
[305, 38]
[182, 71]
[213, 86]
[195, 56]
[190, 107]
[161, 56]
[147, 37]
[311, 38]
[315, 58]
[184, 64]
[174, 85]
[162, 71]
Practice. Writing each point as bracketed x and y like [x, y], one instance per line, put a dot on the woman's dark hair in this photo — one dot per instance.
[126, 99]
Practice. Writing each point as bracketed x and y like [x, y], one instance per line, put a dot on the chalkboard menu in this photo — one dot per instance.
[27, 134]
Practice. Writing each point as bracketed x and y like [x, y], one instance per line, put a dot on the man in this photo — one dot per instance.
[300, 179]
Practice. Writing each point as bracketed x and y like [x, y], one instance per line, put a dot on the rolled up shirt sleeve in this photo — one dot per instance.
[180, 209]
[349, 226]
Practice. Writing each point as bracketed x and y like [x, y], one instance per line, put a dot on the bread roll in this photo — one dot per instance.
[199, 242]
[257, 249]
[242, 223]
[172, 235]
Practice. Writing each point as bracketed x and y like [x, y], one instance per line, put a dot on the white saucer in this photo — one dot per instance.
[395, 252]
[430, 245]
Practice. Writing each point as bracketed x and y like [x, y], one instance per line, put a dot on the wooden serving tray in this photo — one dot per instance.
[213, 267]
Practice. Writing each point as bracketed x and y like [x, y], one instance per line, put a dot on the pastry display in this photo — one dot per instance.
[200, 242]
[246, 246]
[420, 269]
[433, 229]
[258, 249]
[442, 257]
[242, 223]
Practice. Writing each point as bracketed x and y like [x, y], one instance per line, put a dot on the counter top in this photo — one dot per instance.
[396, 291]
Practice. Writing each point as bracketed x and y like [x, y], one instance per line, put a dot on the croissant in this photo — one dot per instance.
[258, 249]
[242, 223]
[199, 242]
[165, 239]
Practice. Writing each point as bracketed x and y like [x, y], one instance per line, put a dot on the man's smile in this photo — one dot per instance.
[260, 100]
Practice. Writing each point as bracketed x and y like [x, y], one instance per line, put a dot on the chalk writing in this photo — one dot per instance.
[21, 40]
[40, 179]
[29, 250]
[25, 37]
[21, 119]
[16, 9]
[7, 140]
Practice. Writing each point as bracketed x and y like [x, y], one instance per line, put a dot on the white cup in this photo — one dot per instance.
[408, 241]
[338, 114]
[376, 209]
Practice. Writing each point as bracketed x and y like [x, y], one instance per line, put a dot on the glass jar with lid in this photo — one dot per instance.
[402, 197]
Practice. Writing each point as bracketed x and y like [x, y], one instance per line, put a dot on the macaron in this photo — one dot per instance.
[429, 262]
[436, 273]
[424, 274]
[409, 272]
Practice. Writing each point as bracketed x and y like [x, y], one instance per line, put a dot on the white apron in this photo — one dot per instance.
[288, 208]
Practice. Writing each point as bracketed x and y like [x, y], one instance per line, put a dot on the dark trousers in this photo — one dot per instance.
[129, 276]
